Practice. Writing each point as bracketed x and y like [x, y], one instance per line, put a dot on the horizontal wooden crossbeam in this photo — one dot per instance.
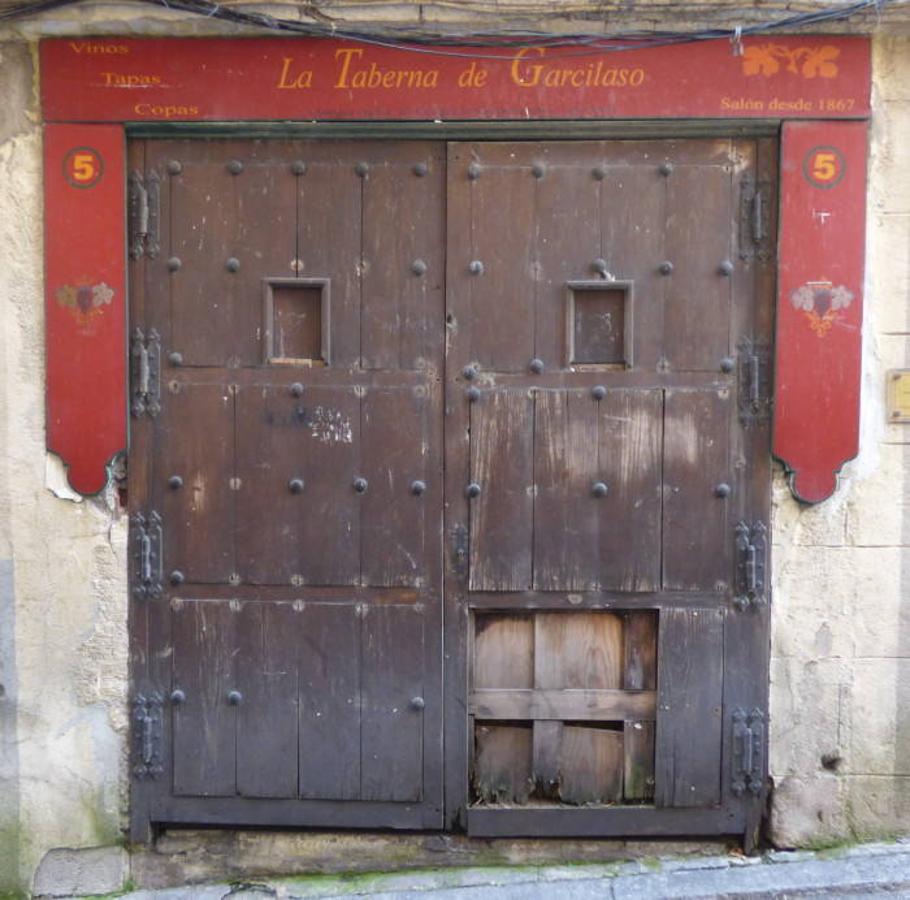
[567, 705]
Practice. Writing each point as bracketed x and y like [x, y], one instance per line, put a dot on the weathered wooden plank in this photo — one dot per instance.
[689, 710]
[557, 820]
[547, 744]
[590, 705]
[266, 676]
[329, 235]
[329, 666]
[568, 236]
[498, 316]
[590, 765]
[630, 437]
[198, 515]
[403, 272]
[640, 651]
[272, 439]
[639, 673]
[205, 724]
[264, 242]
[699, 236]
[697, 537]
[203, 229]
[393, 703]
[503, 652]
[638, 751]
[328, 522]
[394, 514]
[577, 651]
[566, 514]
[502, 763]
[502, 513]
[632, 197]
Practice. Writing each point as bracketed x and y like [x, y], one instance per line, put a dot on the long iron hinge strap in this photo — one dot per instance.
[139, 214]
[758, 224]
[144, 370]
[148, 749]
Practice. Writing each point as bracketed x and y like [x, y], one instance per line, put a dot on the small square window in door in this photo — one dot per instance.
[599, 324]
[295, 328]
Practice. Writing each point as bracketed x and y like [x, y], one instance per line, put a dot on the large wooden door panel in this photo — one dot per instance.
[295, 469]
[597, 466]
[503, 377]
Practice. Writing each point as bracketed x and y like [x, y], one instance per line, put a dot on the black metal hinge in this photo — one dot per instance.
[754, 382]
[145, 366]
[751, 564]
[748, 751]
[755, 220]
[147, 537]
[144, 195]
[147, 715]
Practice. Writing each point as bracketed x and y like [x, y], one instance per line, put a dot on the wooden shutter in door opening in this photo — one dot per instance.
[603, 301]
[286, 492]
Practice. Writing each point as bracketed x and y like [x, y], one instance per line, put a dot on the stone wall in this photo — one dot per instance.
[841, 628]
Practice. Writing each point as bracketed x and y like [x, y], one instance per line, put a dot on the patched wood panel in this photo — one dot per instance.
[590, 765]
[503, 652]
[578, 650]
[563, 687]
[502, 763]
[639, 673]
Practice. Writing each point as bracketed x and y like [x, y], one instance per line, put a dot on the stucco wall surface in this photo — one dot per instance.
[63, 646]
[840, 710]
[840, 666]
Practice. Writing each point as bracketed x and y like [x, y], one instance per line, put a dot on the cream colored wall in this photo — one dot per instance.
[841, 624]
[63, 602]
[840, 668]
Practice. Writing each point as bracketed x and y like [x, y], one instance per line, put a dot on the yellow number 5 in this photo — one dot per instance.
[824, 166]
[83, 167]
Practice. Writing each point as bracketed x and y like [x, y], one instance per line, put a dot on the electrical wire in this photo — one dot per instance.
[423, 39]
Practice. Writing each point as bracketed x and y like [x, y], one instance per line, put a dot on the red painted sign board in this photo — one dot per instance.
[819, 78]
[85, 308]
[820, 299]
[216, 79]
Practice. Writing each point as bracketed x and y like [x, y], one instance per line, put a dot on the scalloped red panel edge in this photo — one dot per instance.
[821, 259]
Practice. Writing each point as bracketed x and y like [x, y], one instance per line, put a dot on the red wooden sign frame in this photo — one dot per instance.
[820, 302]
[818, 78]
[85, 298]
[206, 79]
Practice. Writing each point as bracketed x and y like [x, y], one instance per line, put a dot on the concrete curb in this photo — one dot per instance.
[865, 870]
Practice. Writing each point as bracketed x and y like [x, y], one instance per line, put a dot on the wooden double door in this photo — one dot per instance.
[448, 481]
